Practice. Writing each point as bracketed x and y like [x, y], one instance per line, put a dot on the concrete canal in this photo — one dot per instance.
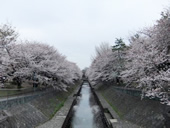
[85, 111]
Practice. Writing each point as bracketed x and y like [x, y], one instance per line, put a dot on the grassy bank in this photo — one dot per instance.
[56, 102]
[113, 107]
[130, 107]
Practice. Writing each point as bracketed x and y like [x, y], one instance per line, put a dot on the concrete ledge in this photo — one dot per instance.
[131, 109]
[116, 122]
[59, 118]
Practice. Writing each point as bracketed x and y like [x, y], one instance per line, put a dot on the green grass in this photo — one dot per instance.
[58, 107]
[113, 107]
[62, 97]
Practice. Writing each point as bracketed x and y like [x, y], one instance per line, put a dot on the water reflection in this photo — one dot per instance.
[84, 114]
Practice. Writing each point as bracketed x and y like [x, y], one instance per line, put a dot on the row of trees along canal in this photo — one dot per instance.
[31, 60]
[144, 64]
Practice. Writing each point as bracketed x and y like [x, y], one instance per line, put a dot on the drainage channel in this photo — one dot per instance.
[86, 110]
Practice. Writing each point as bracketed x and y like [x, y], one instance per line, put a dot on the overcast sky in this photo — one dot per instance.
[75, 27]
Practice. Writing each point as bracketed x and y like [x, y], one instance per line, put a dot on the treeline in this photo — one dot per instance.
[34, 61]
[144, 64]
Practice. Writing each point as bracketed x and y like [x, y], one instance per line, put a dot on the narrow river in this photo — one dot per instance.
[86, 112]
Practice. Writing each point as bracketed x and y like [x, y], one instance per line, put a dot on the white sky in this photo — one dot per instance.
[75, 27]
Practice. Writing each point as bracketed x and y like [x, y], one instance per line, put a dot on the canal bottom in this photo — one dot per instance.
[86, 113]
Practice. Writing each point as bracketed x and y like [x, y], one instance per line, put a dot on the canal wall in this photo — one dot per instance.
[35, 112]
[128, 105]
[99, 120]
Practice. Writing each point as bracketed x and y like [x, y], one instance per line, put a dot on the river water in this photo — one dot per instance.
[86, 112]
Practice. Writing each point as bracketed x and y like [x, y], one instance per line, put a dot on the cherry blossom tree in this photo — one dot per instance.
[148, 60]
[8, 36]
[46, 62]
[104, 65]
[33, 60]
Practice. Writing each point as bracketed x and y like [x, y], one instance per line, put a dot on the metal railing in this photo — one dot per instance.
[7, 93]
[21, 98]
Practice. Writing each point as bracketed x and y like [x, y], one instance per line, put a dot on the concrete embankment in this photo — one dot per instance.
[129, 107]
[58, 119]
[34, 112]
[85, 111]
